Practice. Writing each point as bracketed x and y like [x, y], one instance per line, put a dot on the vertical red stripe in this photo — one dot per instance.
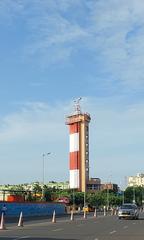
[74, 128]
[74, 160]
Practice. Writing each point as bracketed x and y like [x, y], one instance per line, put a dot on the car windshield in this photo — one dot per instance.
[127, 206]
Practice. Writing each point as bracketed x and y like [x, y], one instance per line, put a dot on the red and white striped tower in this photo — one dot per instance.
[74, 156]
[79, 148]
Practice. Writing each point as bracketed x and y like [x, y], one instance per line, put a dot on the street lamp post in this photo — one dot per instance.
[85, 191]
[107, 198]
[108, 183]
[73, 199]
[142, 197]
[123, 197]
[134, 194]
[43, 172]
[84, 199]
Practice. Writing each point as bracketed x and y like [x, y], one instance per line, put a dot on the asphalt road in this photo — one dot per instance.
[100, 228]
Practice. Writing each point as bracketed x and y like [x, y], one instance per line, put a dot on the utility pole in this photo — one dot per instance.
[134, 194]
[107, 198]
[43, 172]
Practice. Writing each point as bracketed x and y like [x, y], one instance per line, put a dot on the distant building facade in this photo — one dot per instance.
[110, 186]
[137, 180]
[94, 184]
[58, 185]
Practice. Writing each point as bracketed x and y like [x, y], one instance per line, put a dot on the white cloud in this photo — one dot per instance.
[25, 135]
[117, 30]
[9, 10]
[111, 30]
[33, 121]
[55, 38]
[116, 137]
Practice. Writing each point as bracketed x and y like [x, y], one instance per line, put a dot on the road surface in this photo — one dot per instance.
[91, 228]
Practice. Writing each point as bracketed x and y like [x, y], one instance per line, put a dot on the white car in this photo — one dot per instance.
[129, 211]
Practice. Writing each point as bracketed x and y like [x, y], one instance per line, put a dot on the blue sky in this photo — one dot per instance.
[53, 51]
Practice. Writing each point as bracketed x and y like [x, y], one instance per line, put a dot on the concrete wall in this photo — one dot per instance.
[32, 209]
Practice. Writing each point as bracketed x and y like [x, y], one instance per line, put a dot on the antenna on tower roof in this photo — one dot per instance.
[77, 108]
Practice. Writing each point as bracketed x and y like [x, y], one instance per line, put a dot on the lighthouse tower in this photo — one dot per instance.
[78, 124]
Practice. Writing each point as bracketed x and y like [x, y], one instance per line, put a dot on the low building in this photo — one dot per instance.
[58, 185]
[110, 186]
[94, 184]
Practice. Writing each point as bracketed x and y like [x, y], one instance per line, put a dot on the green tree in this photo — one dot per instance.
[99, 199]
[17, 190]
[134, 193]
[37, 188]
[78, 198]
[48, 193]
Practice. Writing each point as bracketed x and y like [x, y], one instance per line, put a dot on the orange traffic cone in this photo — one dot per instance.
[72, 216]
[54, 217]
[2, 224]
[20, 223]
[95, 213]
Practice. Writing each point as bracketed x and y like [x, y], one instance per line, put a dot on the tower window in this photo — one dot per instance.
[86, 128]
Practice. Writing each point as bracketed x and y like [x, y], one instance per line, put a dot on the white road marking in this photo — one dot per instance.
[21, 237]
[79, 225]
[125, 227]
[114, 231]
[58, 229]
